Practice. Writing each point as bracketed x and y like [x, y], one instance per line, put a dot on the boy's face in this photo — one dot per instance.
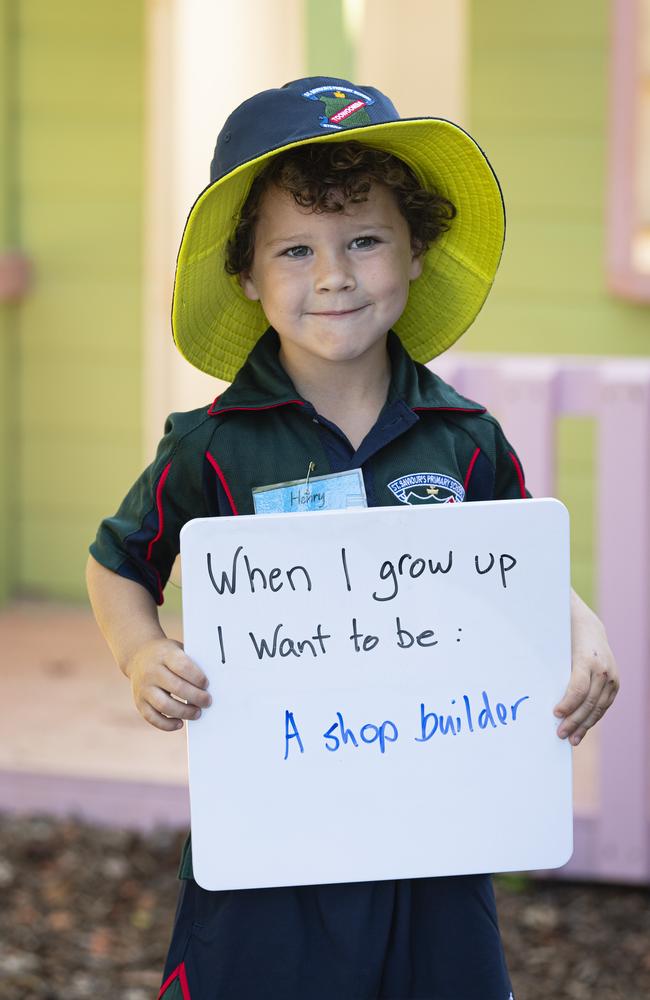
[332, 284]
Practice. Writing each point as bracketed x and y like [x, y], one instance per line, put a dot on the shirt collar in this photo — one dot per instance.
[263, 384]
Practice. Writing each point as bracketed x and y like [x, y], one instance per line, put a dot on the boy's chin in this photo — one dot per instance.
[333, 354]
[335, 349]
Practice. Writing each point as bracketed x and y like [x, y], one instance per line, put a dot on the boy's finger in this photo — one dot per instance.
[185, 668]
[575, 694]
[607, 695]
[185, 691]
[161, 702]
[584, 710]
[158, 720]
[592, 705]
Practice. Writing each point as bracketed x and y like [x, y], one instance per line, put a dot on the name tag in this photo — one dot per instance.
[337, 491]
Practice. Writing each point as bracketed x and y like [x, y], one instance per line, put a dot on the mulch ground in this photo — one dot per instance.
[86, 913]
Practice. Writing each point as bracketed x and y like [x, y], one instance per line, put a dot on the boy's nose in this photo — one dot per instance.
[334, 274]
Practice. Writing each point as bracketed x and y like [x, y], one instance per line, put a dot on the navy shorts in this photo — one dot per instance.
[434, 938]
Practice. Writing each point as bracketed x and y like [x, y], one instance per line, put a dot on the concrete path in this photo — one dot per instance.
[72, 741]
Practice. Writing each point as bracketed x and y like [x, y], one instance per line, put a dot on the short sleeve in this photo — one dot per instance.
[141, 541]
[509, 482]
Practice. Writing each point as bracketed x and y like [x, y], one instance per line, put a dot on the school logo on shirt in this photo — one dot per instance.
[427, 487]
[343, 108]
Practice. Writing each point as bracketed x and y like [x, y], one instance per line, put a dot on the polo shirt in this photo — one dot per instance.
[429, 445]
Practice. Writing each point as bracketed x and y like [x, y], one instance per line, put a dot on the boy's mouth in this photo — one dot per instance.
[337, 312]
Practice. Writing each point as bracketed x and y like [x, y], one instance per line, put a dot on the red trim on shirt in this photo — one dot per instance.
[213, 412]
[182, 975]
[471, 468]
[161, 521]
[179, 973]
[222, 479]
[159, 507]
[520, 474]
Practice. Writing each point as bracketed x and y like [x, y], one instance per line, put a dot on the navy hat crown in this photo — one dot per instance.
[302, 109]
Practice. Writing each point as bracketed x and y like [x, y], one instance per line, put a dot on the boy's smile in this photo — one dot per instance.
[332, 284]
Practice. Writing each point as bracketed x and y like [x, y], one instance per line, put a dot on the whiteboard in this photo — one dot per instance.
[383, 683]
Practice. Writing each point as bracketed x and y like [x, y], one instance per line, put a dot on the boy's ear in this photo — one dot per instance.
[247, 283]
[417, 263]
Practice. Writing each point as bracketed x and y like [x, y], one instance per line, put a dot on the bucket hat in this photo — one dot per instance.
[215, 326]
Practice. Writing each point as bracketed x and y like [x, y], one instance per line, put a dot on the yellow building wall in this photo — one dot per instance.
[538, 86]
[538, 100]
[330, 46]
[79, 104]
[71, 194]
[7, 312]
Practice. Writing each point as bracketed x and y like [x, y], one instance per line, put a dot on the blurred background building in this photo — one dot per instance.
[108, 117]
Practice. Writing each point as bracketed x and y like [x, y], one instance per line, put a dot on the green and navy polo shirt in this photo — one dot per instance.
[429, 445]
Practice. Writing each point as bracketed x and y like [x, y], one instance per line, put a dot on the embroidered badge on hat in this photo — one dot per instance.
[343, 108]
[427, 487]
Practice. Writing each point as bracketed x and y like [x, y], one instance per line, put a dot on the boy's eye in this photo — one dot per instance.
[364, 242]
[296, 252]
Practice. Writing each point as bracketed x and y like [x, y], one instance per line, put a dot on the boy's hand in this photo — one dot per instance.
[160, 669]
[594, 682]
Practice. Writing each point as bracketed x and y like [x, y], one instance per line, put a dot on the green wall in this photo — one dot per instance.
[538, 103]
[7, 312]
[328, 49]
[80, 88]
[71, 185]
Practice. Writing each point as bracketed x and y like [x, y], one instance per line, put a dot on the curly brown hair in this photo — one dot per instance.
[325, 177]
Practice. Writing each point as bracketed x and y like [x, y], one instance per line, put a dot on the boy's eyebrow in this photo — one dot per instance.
[306, 237]
[296, 238]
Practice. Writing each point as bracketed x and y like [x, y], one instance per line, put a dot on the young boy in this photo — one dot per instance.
[336, 246]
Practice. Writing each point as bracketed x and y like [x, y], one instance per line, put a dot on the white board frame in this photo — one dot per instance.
[497, 798]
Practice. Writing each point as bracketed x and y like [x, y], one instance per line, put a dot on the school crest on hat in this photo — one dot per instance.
[427, 487]
[344, 108]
